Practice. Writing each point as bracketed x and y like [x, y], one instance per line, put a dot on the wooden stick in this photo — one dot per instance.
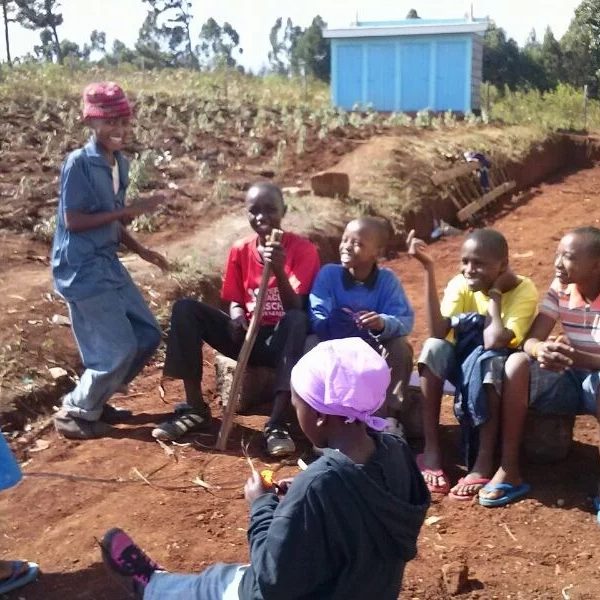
[244, 355]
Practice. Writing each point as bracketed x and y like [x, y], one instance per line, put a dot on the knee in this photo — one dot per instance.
[311, 341]
[399, 348]
[296, 320]
[151, 340]
[183, 310]
[123, 356]
[435, 358]
[516, 364]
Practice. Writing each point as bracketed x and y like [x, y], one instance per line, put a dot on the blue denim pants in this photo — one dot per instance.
[218, 582]
[116, 335]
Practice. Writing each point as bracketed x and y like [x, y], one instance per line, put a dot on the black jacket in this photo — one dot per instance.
[343, 531]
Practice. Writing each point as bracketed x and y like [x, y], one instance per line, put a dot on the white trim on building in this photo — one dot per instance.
[396, 30]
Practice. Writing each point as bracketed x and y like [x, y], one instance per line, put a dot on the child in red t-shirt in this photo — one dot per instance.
[280, 340]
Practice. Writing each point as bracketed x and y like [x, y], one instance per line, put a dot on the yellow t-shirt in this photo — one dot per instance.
[518, 306]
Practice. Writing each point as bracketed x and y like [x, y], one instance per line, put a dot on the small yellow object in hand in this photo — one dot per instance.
[267, 476]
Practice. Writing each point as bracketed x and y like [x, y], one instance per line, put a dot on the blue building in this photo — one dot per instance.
[409, 65]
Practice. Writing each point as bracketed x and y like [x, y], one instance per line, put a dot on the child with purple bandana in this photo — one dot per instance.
[344, 528]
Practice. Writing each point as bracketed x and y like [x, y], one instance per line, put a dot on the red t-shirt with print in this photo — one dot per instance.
[244, 268]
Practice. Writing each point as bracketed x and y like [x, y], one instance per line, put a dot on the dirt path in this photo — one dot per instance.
[533, 549]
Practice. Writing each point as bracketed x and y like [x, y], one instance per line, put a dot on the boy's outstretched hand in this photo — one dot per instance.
[417, 249]
[256, 487]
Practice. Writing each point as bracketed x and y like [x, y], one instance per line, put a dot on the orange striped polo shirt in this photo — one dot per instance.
[580, 320]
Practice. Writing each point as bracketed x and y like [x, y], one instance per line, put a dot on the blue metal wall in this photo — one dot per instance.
[407, 73]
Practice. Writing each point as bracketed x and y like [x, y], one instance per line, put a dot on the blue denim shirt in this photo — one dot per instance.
[85, 263]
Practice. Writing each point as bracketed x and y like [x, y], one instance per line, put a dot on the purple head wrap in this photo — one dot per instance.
[344, 378]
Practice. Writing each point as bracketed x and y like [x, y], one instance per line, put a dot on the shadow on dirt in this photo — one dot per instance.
[93, 583]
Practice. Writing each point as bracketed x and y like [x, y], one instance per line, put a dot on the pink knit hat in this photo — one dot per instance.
[105, 100]
[345, 378]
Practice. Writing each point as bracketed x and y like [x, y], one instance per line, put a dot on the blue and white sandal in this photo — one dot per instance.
[596, 504]
[18, 578]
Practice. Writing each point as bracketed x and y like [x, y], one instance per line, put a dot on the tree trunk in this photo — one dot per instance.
[6, 37]
[57, 50]
[193, 58]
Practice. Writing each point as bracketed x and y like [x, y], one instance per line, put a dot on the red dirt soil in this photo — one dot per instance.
[533, 549]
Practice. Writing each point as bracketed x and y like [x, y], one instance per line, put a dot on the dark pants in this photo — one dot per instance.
[193, 323]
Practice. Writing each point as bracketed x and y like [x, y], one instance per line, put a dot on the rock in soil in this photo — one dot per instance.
[455, 576]
[330, 184]
[257, 385]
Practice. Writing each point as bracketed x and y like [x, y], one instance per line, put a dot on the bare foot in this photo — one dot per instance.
[436, 480]
[470, 484]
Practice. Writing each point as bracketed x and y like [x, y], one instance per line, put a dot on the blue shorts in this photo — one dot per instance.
[440, 357]
[572, 392]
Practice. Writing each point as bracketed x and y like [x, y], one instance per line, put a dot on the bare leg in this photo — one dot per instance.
[488, 436]
[515, 397]
[432, 388]
[400, 360]
[598, 418]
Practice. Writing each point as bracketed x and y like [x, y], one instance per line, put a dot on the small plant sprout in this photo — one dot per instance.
[221, 190]
[301, 140]
[254, 150]
[204, 170]
[139, 176]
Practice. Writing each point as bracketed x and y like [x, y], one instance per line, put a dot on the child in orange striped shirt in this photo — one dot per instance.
[553, 375]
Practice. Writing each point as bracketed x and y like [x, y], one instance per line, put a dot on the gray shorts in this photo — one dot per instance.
[439, 356]
[573, 392]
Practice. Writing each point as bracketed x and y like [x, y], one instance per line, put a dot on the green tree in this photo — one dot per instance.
[501, 58]
[552, 59]
[150, 45]
[217, 44]
[312, 51]
[44, 15]
[8, 16]
[277, 47]
[531, 71]
[45, 51]
[98, 41]
[120, 54]
[283, 57]
[72, 52]
[172, 19]
[581, 46]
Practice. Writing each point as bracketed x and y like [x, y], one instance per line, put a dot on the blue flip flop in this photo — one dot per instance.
[15, 581]
[511, 493]
[596, 503]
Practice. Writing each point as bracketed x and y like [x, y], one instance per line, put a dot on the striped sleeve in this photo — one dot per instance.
[549, 305]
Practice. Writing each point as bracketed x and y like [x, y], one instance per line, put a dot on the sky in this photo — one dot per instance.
[121, 19]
